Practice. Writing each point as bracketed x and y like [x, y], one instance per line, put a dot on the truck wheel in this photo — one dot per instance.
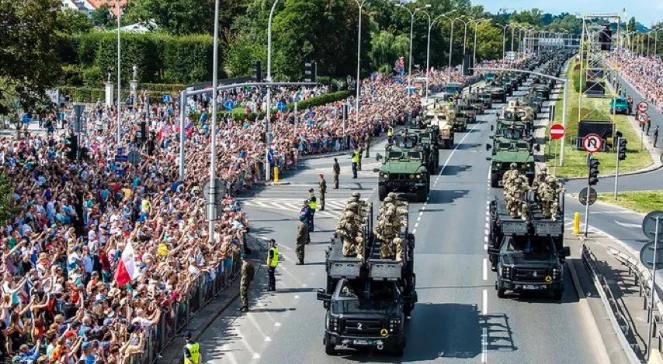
[422, 194]
[493, 180]
[382, 192]
[330, 349]
[500, 290]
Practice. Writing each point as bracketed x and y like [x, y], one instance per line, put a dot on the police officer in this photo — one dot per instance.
[272, 263]
[355, 163]
[246, 276]
[367, 144]
[303, 238]
[312, 206]
[337, 172]
[191, 350]
[390, 134]
[323, 190]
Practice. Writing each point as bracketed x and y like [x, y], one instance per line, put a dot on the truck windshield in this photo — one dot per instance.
[382, 299]
[540, 249]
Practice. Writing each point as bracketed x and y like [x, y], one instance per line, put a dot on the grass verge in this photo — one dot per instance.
[575, 161]
[642, 201]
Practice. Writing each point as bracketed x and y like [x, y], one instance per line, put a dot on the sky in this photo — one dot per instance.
[645, 11]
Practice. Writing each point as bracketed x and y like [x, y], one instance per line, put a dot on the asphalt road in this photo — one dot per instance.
[458, 318]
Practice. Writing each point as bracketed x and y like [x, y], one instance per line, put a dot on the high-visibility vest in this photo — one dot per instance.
[194, 350]
[390, 132]
[355, 157]
[313, 205]
[274, 262]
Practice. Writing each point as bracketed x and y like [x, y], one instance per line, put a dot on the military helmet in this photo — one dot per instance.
[551, 179]
[388, 199]
[392, 194]
[356, 194]
[513, 166]
[544, 169]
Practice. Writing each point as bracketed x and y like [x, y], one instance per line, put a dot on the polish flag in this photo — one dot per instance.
[125, 271]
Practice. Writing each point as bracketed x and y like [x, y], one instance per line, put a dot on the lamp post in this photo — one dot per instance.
[430, 27]
[212, 166]
[474, 47]
[451, 41]
[504, 40]
[360, 4]
[412, 14]
[119, 72]
[462, 68]
[268, 138]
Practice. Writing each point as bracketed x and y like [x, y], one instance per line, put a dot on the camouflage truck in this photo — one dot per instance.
[507, 151]
[404, 169]
[476, 103]
[466, 111]
[426, 139]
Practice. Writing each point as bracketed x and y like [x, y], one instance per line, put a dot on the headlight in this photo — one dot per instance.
[333, 324]
[384, 174]
[498, 165]
[412, 176]
[506, 271]
[418, 176]
[394, 325]
[556, 273]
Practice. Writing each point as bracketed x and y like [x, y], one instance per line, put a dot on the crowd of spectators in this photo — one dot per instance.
[73, 219]
[645, 74]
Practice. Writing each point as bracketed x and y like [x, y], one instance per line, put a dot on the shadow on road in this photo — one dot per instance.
[446, 196]
[453, 170]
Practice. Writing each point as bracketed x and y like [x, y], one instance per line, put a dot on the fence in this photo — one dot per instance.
[618, 318]
[178, 315]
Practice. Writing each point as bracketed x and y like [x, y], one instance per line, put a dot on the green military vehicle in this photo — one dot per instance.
[427, 140]
[476, 103]
[507, 151]
[404, 169]
[466, 113]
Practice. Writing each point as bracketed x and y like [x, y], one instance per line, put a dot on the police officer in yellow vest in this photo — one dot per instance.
[312, 206]
[355, 163]
[272, 263]
[390, 134]
[191, 351]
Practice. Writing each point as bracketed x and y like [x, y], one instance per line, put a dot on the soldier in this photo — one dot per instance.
[323, 190]
[513, 170]
[246, 277]
[336, 172]
[347, 230]
[549, 197]
[306, 212]
[303, 238]
[538, 180]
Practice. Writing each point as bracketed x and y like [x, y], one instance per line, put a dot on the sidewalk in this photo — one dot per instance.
[626, 298]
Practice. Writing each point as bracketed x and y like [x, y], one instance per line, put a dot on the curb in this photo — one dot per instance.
[223, 309]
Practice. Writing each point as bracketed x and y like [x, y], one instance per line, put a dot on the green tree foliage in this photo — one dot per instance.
[7, 208]
[70, 21]
[386, 48]
[102, 17]
[28, 61]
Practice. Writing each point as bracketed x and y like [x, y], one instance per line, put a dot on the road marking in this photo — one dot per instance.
[485, 246]
[414, 231]
[626, 224]
[485, 302]
[454, 151]
[485, 269]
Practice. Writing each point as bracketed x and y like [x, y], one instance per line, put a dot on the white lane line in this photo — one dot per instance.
[446, 162]
[414, 231]
[485, 302]
[485, 247]
[485, 269]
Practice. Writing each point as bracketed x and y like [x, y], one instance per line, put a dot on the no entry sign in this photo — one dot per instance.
[592, 143]
[642, 106]
[557, 131]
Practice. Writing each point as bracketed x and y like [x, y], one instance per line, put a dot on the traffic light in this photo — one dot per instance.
[310, 69]
[621, 151]
[593, 171]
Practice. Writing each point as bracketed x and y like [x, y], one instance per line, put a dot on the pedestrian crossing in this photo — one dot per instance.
[333, 207]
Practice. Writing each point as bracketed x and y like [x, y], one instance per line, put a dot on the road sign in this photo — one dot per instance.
[642, 117]
[649, 224]
[642, 106]
[133, 157]
[220, 188]
[647, 256]
[582, 197]
[229, 105]
[592, 143]
[556, 131]
[281, 106]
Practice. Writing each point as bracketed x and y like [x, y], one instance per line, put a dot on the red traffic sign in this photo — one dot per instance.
[642, 106]
[592, 143]
[643, 117]
[557, 131]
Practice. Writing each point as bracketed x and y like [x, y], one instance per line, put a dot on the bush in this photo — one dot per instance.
[92, 94]
[187, 59]
[321, 100]
[72, 75]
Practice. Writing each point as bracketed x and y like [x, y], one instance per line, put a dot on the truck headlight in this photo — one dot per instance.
[384, 174]
[332, 324]
[506, 271]
[556, 273]
[394, 325]
[412, 176]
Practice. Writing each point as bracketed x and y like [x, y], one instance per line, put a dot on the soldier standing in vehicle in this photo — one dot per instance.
[303, 238]
[246, 277]
[337, 172]
[323, 191]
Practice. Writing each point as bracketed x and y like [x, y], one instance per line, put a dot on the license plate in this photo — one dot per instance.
[361, 342]
[533, 287]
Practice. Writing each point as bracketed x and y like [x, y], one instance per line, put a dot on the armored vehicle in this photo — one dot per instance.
[368, 298]
[404, 169]
[527, 254]
[507, 151]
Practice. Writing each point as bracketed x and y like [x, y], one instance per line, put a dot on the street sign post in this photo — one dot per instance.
[587, 197]
[649, 227]
[592, 143]
[557, 131]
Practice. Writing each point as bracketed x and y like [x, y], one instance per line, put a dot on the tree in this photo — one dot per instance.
[101, 17]
[386, 48]
[70, 21]
[7, 208]
[28, 61]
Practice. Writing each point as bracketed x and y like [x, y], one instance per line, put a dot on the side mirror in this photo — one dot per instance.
[378, 157]
[323, 295]
[537, 147]
[565, 252]
[376, 170]
[488, 146]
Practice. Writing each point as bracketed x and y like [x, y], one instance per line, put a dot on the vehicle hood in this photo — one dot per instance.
[402, 167]
[513, 157]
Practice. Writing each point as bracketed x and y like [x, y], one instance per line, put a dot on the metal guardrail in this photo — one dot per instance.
[620, 324]
[643, 279]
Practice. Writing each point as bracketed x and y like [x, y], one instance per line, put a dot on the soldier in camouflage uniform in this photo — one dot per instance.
[548, 197]
[303, 238]
[513, 171]
[539, 179]
[516, 187]
[246, 276]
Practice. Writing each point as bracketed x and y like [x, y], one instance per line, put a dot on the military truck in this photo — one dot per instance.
[427, 140]
[487, 99]
[497, 94]
[450, 91]
[368, 299]
[466, 112]
[476, 103]
[404, 169]
[445, 137]
[507, 151]
[528, 255]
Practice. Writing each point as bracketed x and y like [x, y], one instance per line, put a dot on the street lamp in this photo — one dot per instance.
[451, 40]
[412, 14]
[360, 4]
[504, 40]
[268, 138]
[212, 166]
[474, 48]
[430, 27]
[119, 108]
